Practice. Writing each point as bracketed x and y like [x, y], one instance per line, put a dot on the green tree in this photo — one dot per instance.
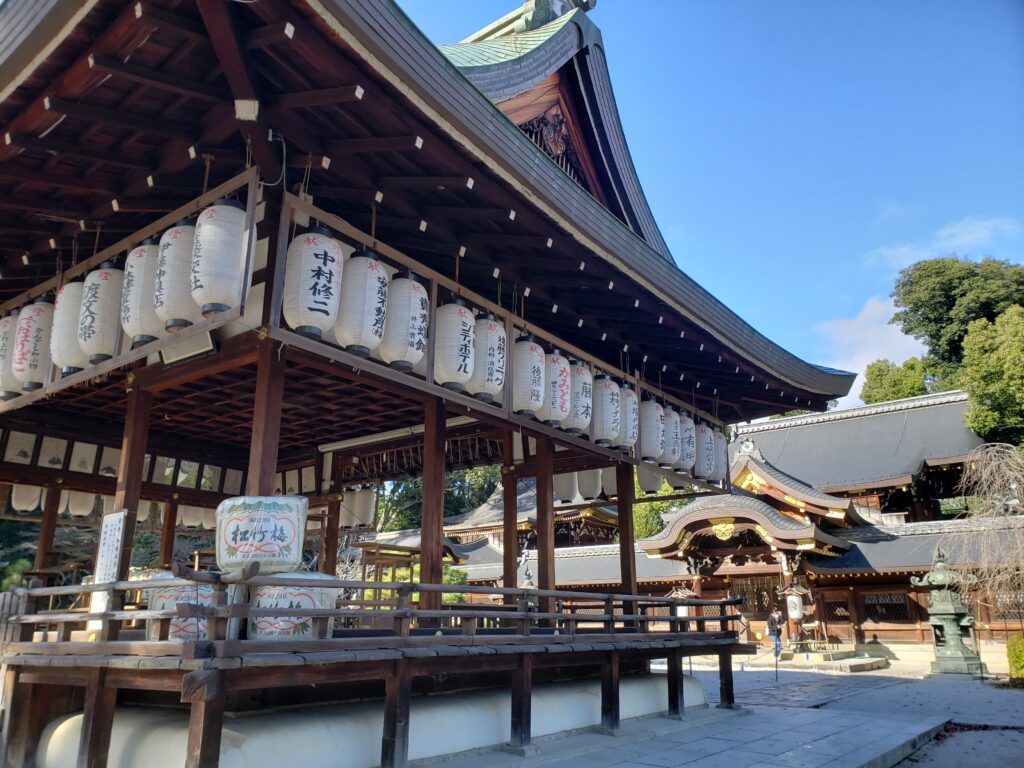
[993, 375]
[401, 503]
[14, 572]
[648, 517]
[937, 299]
[885, 380]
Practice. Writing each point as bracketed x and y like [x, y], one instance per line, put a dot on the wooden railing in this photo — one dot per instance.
[517, 616]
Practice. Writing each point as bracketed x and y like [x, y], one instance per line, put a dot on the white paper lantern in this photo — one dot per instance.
[143, 512]
[190, 517]
[66, 352]
[489, 369]
[610, 481]
[138, 316]
[607, 411]
[721, 457]
[629, 419]
[704, 466]
[565, 487]
[673, 439]
[80, 503]
[99, 321]
[688, 439]
[364, 507]
[588, 482]
[209, 519]
[678, 481]
[405, 332]
[218, 259]
[581, 401]
[312, 282]
[172, 291]
[557, 389]
[362, 310]
[652, 431]
[9, 386]
[454, 346]
[32, 343]
[648, 478]
[528, 365]
[25, 498]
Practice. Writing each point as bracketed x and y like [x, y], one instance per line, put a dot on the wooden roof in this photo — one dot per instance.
[115, 121]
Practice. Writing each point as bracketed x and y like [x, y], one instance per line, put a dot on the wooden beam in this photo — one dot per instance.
[118, 119]
[522, 703]
[437, 183]
[394, 751]
[726, 693]
[676, 702]
[432, 526]
[271, 34]
[97, 721]
[330, 561]
[545, 519]
[321, 97]
[266, 423]
[236, 352]
[47, 527]
[57, 208]
[90, 185]
[381, 144]
[133, 450]
[510, 511]
[627, 555]
[168, 530]
[466, 213]
[610, 693]
[226, 39]
[56, 146]
[158, 79]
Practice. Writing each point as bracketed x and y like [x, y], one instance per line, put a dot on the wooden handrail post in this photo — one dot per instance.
[403, 623]
[609, 609]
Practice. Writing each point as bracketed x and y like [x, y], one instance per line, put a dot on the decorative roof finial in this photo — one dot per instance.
[537, 13]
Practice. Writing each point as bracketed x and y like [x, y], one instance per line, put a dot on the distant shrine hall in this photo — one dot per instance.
[259, 259]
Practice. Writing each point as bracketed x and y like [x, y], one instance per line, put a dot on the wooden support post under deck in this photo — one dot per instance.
[394, 751]
[129, 470]
[432, 529]
[204, 690]
[726, 695]
[627, 543]
[18, 738]
[510, 515]
[330, 537]
[47, 527]
[167, 534]
[522, 703]
[610, 692]
[97, 721]
[676, 704]
[545, 520]
[266, 421]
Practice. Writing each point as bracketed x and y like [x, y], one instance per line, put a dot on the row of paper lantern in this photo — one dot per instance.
[193, 271]
[589, 484]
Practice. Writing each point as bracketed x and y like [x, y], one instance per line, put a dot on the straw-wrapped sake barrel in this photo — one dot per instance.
[288, 596]
[267, 529]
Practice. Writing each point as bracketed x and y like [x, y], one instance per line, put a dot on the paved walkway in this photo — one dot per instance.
[806, 720]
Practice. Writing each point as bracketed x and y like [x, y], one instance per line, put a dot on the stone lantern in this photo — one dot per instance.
[950, 619]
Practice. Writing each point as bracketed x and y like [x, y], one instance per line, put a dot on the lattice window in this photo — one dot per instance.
[887, 608]
[1009, 605]
[837, 610]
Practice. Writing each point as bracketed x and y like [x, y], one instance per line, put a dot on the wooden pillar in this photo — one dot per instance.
[330, 537]
[19, 739]
[204, 690]
[522, 703]
[97, 721]
[47, 527]
[627, 542]
[726, 696]
[610, 692]
[394, 751]
[856, 615]
[510, 517]
[432, 526]
[129, 470]
[266, 420]
[676, 703]
[168, 533]
[545, 519]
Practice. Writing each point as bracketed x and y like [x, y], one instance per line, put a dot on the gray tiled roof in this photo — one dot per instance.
[744, 501]
[491, 512]
[865, 445]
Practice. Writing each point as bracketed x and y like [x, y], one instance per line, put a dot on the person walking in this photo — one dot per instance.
[775, 622]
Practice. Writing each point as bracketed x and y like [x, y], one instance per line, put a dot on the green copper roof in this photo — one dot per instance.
[502, 49]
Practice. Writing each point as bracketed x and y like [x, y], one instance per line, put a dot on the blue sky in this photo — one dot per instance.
[798, 154]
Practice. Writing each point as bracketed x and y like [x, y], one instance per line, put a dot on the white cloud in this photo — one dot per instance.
[853, 342]
[967, 235]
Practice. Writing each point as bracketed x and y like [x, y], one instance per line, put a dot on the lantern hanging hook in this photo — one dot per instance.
[373, 224]
[207, 162]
